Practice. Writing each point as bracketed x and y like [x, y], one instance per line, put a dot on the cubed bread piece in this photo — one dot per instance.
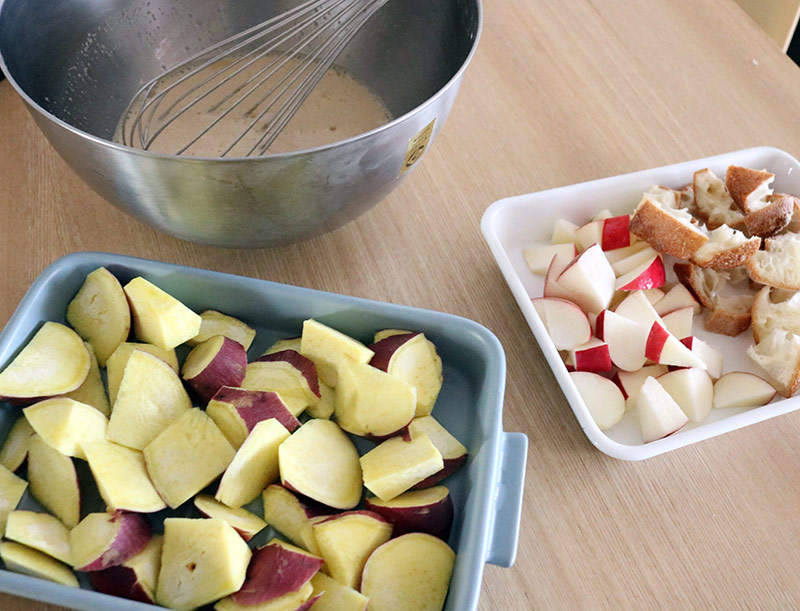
[777, 265]
[775, 309]
[772, 218]
[749, 188]
[726, 248]
[712, 202]
[664, 196]
[794, 222]
[778, 354]
[726, 293]
[670, 231]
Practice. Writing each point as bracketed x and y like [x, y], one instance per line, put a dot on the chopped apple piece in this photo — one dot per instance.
[678, 296]
[213, 323]
[216, 362]
[565, 322]
[158, 317]
[187, 456]
[626, 339]
[203, 560]
[592, 356]
[665, 348]
[21, 559]
[335, 596]
[413, 358]
[320, 461]
[236, 411]
[395, 465]
[589, 280]
[101, 540]
[291, 517]
[659, 414]
[602, 397]
[409, 572]
[92, 391]
[563, 232]
[371, 402]
[254, 466]
[538, 257]
[633, 260]
[15, 447]
[429, 511]
[648, 275]
[66, 423]
[346, 540]
[615, 232]
[54, 482]
[121, 477]
[453, 452]
[631, 381]
[276, 569]
[551, 286]
[680, 322]
[12, 488]
[100, 314]
[637, 307]
[589, 234]
[692, 389]
[246, 523]
[40, 531]
[151, 396]
[135, 578]
[328, 347]
[55, 361]
[742, 389]
[712, 357]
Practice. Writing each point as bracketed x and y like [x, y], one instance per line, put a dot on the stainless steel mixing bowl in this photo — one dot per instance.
[77, 63]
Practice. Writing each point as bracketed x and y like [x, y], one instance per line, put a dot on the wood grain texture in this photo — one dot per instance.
[558, 93]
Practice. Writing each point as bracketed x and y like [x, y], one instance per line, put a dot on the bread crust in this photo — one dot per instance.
[723, 317]
[741, 182]
[664, 232]
[728, 258]
[772, 218]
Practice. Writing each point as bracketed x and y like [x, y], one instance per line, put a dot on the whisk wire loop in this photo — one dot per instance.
[254, 81]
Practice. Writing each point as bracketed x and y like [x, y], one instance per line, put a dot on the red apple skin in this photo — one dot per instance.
[132, 537]
[616, 233]
[655, 342]
[651, 278]
[275, 571]
[435, 519]
[253, 406]
[120, 581]
[385, 349]
[596, 359]
[304, 364]
[227, 368]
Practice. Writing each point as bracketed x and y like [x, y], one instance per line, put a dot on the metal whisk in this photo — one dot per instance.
[242, 92]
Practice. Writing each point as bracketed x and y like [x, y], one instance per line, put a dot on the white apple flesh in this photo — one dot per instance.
[742, 389]
[567, 325]
[602, 397]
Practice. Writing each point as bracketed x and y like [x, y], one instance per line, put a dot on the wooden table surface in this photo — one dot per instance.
[558, 93]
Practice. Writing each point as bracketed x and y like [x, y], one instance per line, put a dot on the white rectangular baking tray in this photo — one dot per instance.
[513, 223]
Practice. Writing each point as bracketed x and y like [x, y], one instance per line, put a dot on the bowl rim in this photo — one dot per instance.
[457, 76]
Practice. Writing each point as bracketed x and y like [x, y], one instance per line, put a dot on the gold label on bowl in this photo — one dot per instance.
[417, 146]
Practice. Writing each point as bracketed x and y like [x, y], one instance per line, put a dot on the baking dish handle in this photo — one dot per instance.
[508, 502]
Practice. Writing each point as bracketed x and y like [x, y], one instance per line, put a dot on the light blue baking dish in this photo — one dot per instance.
[487, 491]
